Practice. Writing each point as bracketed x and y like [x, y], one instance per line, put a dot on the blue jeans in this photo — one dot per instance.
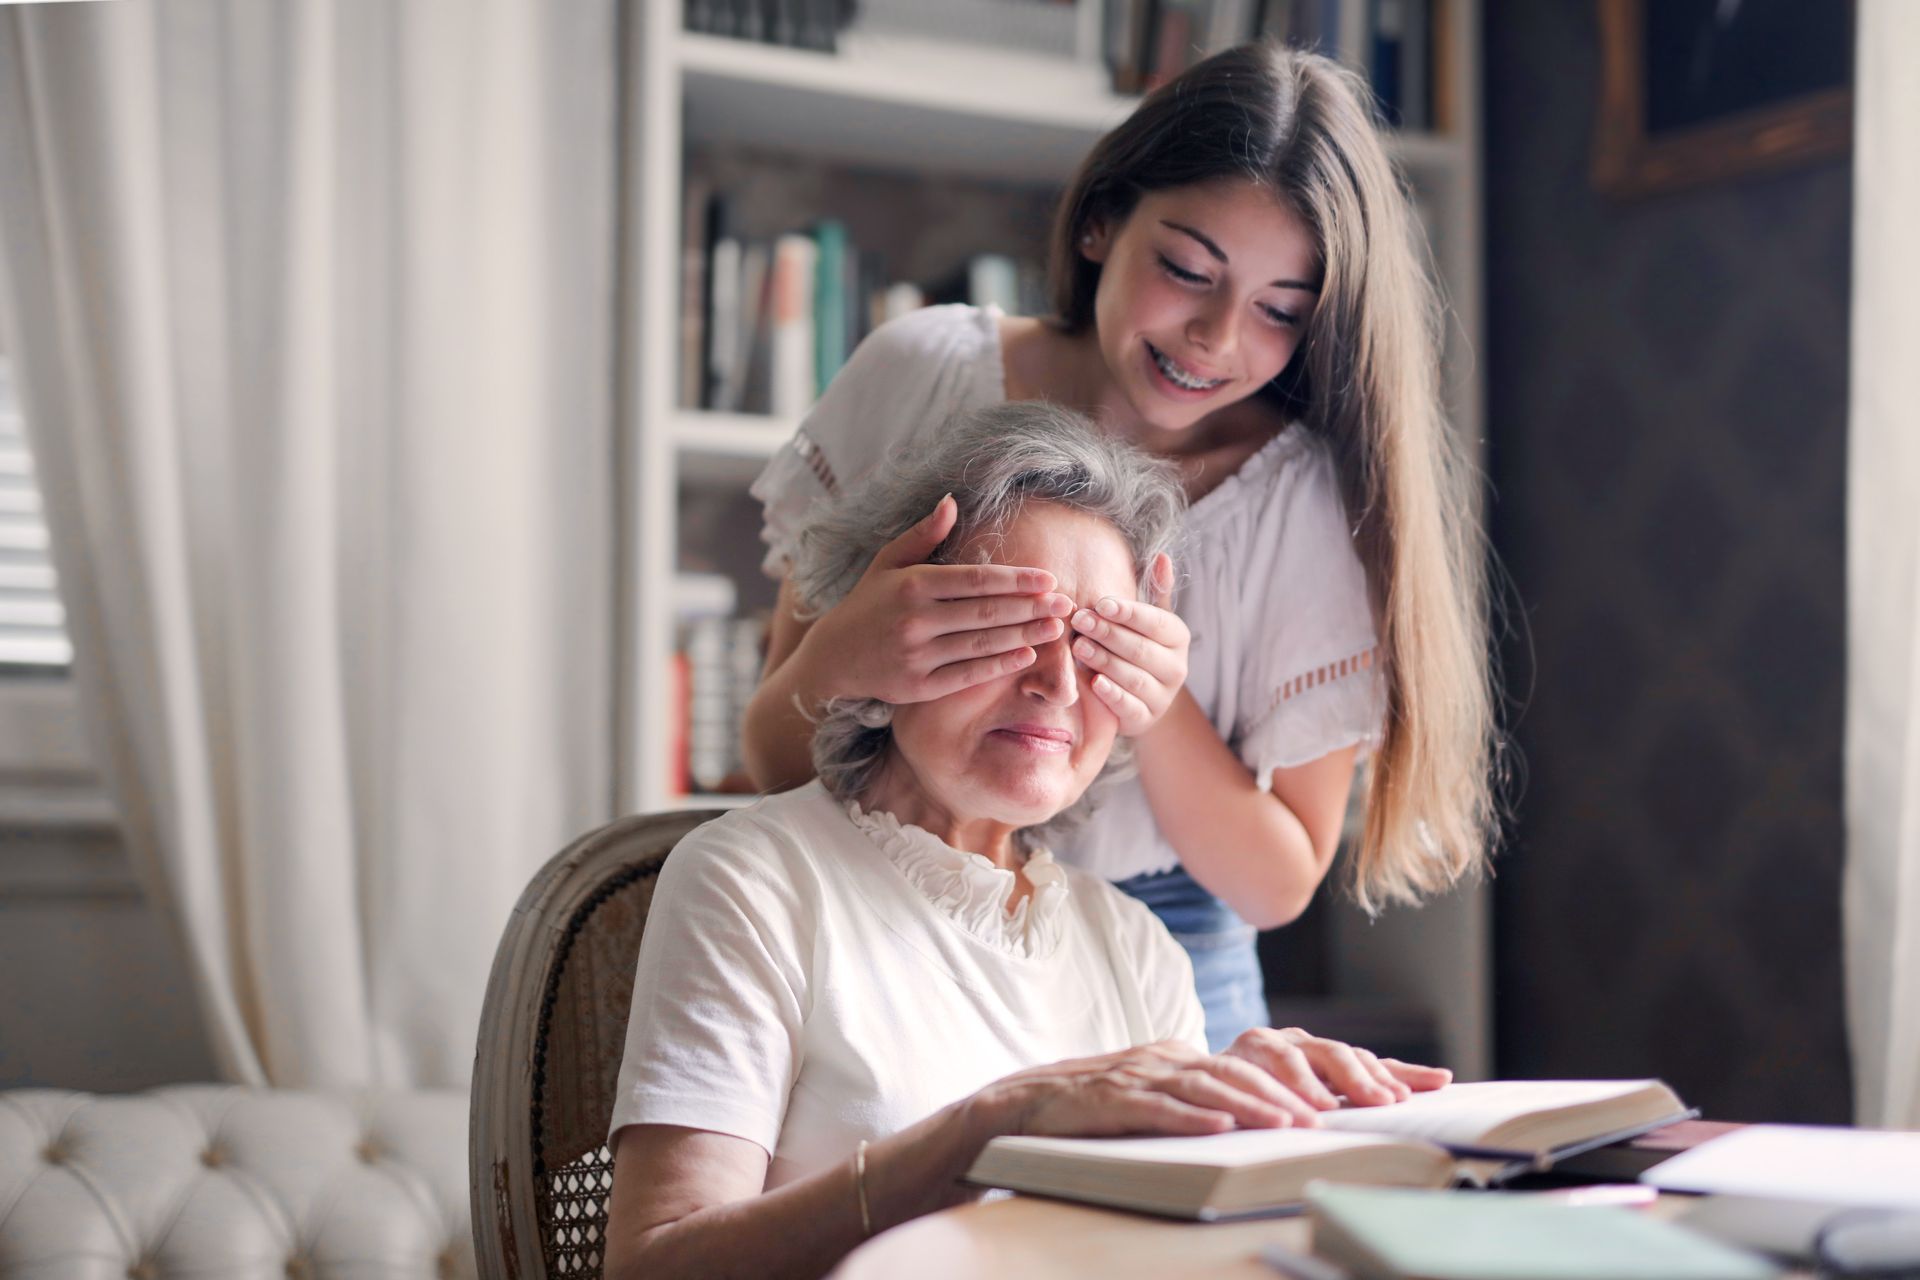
[1226, 968]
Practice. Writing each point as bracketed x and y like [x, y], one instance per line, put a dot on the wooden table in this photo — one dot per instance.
[1023, 1238]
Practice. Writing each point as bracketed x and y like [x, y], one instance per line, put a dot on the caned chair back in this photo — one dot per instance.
[552, 1033]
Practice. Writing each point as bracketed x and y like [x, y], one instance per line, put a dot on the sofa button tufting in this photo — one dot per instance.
[368, 1150]
[298, 1268]
[443, 1266]
[143, 1270]
[213, 1157]
[54, 1154]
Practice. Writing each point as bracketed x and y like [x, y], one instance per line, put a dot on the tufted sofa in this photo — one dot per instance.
[216, 1181]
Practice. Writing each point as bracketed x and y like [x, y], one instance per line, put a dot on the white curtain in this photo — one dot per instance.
[312, 307]
[1883, 573]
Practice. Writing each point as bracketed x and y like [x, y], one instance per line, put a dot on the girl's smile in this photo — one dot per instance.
[1203, 296]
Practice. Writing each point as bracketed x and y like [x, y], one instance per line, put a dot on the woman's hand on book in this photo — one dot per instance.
[1166, 1088]
[911, 631]
[1137, 651]
[1318, 1069]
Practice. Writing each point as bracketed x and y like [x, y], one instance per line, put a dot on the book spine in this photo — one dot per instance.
[1389, 31]
[709, 721]
[721, 293]
[792, 374]
[755, 262]
[1416, 61]
[723, 321]
[693, 303]
[1441, 83]
[829, 301]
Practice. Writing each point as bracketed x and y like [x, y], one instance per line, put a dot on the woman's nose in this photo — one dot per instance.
[1052, 678]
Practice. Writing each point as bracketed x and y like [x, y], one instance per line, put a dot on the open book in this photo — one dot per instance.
[1465, 1132]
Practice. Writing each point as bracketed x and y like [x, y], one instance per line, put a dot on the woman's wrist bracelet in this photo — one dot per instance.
[860, 1187]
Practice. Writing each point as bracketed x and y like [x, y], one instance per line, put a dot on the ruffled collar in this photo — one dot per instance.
[970, 889]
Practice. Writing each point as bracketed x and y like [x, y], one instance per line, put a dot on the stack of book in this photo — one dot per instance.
[717, 667]
[1407, 55]
[800, 24]
[1481, 1134]
[765, 324]
[1404, 45]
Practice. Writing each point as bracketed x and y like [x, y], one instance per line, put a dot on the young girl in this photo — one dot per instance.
[1238, 283]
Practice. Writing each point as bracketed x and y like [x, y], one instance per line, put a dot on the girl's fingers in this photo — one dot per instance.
[964, 645]
[961, 617]
[1151, 622]
[956, 676]
[1129, 709]
[959, 581]
[1125, 674]
[1158, 660]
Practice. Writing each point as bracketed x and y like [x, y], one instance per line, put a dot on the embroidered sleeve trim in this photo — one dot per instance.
[1325, 674]
[816, 461]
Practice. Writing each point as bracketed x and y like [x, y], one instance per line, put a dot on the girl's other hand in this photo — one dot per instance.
[1137, 651]
[912, 632]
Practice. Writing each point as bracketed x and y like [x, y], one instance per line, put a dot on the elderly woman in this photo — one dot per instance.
[846, 990]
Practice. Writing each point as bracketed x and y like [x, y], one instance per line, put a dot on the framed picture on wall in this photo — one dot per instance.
[1697, 91]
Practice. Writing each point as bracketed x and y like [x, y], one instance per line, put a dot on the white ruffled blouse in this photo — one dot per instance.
[812, 976]
[1284, 649]
[970, 888]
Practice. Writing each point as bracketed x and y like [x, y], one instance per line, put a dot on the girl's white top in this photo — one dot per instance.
[812, 975]
[1283, 656]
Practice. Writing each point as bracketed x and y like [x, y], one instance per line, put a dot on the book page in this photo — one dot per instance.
[1801, 1162]
[1460, 1113]
[1215, 1150]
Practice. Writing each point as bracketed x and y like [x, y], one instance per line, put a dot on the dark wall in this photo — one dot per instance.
[1667, 422]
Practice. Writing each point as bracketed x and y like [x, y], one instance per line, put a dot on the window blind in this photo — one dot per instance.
[33, 631]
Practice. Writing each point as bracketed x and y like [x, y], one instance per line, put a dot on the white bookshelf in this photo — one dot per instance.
[949, 108]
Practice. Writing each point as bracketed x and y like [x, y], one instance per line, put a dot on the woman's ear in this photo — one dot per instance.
[1094, 240]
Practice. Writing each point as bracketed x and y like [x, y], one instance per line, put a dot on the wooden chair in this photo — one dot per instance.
[552, 1033]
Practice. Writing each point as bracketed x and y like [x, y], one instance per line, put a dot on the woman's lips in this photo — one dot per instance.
[1035, 737]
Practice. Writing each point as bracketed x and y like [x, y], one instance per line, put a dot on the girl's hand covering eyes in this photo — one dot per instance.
[912, 632]
[1136, 651]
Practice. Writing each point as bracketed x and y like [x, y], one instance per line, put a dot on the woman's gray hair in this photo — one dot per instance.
[993, 461]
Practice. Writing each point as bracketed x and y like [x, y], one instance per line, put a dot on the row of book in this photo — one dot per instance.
[801, 24]
[766, 323]
[1408, 54]
[1404, 44]
[716, 667]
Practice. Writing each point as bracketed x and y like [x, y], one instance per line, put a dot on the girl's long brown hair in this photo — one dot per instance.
[1366, 380]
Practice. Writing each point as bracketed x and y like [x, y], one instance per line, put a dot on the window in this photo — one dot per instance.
[33, 635]
[47, 776]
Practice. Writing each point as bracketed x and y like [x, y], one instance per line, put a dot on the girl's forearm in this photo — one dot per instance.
[776, 736]
[805, 1228]
[1239, 841]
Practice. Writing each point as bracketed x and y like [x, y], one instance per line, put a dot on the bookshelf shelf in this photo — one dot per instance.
[726, 448]
[901, 104]
[713, 800]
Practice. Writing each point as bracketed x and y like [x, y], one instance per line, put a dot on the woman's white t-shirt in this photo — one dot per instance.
[1283, 654]
[812, 975]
